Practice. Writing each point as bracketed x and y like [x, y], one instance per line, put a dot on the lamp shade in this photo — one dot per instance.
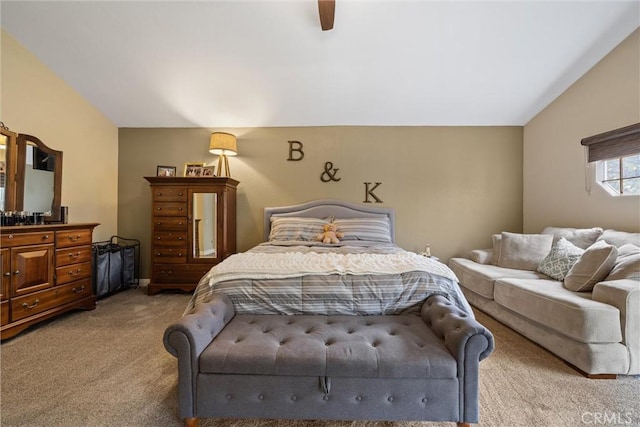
[223, 143]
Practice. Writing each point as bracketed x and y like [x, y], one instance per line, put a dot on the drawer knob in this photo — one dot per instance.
[158, 209]
[7, 274]
[10, 236]
[180, 193]
[180, 238]
[35, 303]
[17, 272]
[76, 255]
[180, 254]
[158, 238]
[158, 194]
[74, 238]
[75, 273]
[46, 237]
[78, 290]
[158, 254]
[180, 209]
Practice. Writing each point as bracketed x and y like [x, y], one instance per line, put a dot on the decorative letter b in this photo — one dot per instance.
[297, 148]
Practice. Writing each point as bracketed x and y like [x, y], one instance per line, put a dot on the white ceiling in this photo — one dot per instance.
[267, 63]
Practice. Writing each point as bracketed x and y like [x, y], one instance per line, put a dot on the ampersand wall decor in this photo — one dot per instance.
[329, 173]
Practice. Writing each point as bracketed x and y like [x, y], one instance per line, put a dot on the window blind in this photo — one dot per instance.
[615, 143]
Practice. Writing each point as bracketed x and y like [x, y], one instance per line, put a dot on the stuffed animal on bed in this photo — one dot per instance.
[330, 235]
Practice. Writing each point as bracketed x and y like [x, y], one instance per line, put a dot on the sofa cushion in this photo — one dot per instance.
[592, 267]
[572, 314]
[398, 346]
[580, 237]
[619, 238]
[479, 278]
[523, 251]
[627, 265]
[560, 260]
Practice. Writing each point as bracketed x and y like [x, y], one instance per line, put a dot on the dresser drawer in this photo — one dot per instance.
[161, 223]
[179, 273]
[69, 273]
[169, 209]
[170, 238]
[169, 194]
[38, 302]
[4, 313]
[73, 255]
[173, 255]
[65, 239]
[22, 239]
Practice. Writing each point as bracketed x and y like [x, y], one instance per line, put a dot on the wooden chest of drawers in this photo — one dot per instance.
[193, 228]
[46, 271]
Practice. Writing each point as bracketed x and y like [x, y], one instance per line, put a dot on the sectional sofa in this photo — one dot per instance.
[575, 292]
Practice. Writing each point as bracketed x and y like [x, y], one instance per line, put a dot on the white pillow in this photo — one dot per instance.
[560, 260]
[592, 267]
[523, 251]
[296, 228]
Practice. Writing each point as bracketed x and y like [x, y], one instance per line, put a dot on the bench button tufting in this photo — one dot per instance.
[390, 398]
[325, 397]
[358, 398]
[294, 397]
[228, 396]
[424, 400]
[260, 397]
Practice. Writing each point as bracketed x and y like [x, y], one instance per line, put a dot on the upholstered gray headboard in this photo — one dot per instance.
[323, 208]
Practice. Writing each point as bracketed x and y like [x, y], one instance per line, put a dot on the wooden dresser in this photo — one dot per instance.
[193, 228]
[46, 271]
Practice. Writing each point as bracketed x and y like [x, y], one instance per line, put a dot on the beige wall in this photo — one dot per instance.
[450, 186]
[35, 101]
[605, 98]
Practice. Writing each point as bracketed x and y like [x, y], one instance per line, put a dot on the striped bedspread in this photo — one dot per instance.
[311, 279]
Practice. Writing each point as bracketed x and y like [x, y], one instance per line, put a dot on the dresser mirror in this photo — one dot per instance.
[31, 175]
[204, 225]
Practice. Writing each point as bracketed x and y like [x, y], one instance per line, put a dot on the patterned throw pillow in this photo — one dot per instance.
[560, 260]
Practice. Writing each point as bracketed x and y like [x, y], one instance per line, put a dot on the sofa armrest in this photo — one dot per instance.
[624, 294]
[188, 337]
[481, 256]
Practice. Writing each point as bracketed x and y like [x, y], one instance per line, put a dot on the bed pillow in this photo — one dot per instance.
[580, 237]
[368, 229]
[295, 228]
[523, 251]
[592, 267]
[560, 260]
[627, 265]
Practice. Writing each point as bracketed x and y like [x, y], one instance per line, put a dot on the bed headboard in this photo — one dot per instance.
[323, 208]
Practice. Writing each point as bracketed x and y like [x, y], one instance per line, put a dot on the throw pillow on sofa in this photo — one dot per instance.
[580, 237]
[523, 251]
[627, 264]
[560, 260]
[592, 267]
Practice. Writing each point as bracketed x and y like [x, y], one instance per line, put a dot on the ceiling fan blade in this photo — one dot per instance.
[327, 9]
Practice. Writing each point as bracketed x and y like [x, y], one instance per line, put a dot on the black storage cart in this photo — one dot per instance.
[116, 265]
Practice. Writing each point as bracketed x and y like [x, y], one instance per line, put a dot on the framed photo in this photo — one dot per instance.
[166, 171]
[209, 171]
[193, 169]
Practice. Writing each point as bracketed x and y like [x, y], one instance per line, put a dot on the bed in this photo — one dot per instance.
[358, 330]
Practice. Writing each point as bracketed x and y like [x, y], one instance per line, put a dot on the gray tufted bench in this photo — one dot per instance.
[396, 367]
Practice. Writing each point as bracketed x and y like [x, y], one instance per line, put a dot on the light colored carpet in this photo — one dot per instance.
[108, 367]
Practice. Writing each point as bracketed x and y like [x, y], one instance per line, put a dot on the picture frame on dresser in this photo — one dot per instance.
[166, 171]
[193, 169]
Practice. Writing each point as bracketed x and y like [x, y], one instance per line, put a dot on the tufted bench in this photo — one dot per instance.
[394, 367]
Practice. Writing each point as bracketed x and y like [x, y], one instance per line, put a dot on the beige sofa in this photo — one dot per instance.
[589, 314]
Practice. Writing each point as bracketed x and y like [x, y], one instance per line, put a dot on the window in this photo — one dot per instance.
[621, 176]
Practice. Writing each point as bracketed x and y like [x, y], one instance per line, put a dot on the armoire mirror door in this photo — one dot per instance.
[204, 225]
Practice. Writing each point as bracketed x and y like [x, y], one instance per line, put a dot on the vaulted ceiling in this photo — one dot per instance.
[268, 63]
